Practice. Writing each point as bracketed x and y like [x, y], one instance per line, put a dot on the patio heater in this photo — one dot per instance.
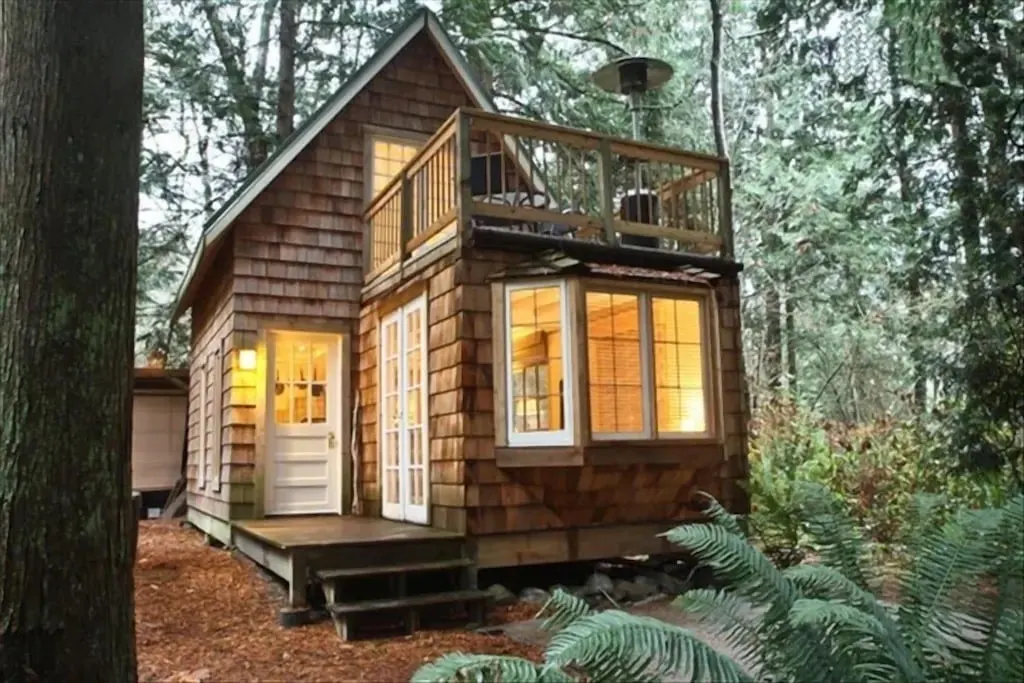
[633, 77]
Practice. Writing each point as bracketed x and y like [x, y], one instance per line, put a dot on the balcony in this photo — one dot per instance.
[483, 169]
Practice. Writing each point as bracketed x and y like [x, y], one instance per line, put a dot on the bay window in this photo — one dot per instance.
[537, 355]
[638, 362]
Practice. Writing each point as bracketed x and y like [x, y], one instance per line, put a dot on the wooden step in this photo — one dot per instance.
[343, 613]
[331, 574]
[470, 595]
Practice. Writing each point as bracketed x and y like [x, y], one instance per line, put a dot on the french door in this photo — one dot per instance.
[405, 486]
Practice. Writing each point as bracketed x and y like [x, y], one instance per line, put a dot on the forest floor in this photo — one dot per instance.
[205, 615]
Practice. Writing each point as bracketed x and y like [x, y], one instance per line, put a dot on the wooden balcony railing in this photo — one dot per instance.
[481, 168]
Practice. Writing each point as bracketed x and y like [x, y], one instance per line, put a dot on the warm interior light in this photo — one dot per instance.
[247, 359]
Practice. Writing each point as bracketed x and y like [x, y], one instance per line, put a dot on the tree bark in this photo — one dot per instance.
[286, 72]
[70, 134]
[791, 372]
[717, 116]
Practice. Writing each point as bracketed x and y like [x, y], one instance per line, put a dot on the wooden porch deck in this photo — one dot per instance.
[319, 531]
[338, 553]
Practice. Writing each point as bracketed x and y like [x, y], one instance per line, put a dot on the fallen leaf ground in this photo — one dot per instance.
[204, 614]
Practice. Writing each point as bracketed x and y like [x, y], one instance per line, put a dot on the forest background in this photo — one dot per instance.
[878, 156]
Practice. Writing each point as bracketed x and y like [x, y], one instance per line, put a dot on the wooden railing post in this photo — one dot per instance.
[405, 221]
[605, 189]
[725, 210]
[367, 246]
[463, 175]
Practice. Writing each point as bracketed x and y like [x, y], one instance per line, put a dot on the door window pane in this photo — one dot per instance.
[300, 379]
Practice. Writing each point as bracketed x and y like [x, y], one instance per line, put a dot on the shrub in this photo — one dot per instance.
[875, 468]
[807, 622]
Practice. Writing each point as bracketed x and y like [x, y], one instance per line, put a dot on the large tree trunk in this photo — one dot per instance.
[70, 133]
[286, 72]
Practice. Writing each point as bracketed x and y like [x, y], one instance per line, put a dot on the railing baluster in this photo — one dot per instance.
[606, 190]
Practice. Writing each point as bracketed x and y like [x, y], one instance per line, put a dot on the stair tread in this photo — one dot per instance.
[408, 601]
[393, 568]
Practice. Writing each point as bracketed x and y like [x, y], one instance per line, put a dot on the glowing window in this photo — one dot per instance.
[679, 394]
[539, 402]
[614, 362]
[300, 381]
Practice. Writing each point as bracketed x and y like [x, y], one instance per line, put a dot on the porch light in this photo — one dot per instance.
[247, 359]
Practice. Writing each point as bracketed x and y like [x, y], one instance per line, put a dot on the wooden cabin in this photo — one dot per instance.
[435, 333]
[159, 408]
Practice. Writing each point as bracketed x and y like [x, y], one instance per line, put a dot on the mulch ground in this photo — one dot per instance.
[205, 615]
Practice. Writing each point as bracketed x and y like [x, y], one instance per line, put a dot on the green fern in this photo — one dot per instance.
[616, 646]
[720, 516]
[809, 622]
[479, 668]
[832, 531]
[562, 609]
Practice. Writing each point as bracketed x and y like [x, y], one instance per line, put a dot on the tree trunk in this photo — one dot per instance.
[717, 117]
[791, 374]
[773, 337]
[286, 72]
[70, 134]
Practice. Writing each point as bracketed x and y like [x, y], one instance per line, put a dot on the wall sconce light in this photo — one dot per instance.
[247, 359]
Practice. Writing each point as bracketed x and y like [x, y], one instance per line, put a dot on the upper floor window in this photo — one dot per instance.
[388, 154]
[647, 363]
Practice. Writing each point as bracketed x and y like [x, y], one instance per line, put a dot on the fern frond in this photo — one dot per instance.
[720, 516]
[730, 617]
[459, 667]
[922, 518]
[746, 570]
[949, 564]
[981, 639]
[562, 609]
[616, 646]
[833, 532]
[834, 614]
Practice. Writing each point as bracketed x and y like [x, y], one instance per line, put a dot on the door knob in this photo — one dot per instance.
[330, 440]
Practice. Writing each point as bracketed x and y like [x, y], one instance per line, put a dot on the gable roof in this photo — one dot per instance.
[217, 227]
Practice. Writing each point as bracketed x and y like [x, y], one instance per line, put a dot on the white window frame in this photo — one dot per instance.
[217, 409]
[565, 435]
[708, 390]
[646, 365]
[375, 134]
[201, 459]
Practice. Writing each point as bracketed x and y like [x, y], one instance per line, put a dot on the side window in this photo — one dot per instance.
[539, 403]
[679, 387]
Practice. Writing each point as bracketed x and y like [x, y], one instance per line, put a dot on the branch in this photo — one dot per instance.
[245, 98]
[576, 36]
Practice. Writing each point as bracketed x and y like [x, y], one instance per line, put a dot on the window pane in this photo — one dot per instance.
[678, 366]
[282, 397]
[389, 156]
[300, 402]
[318, 403]
[535, 318]
[319, 362]
[613, 349]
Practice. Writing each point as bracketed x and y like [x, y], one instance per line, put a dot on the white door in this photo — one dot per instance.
[303, 455]
[405, 485]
